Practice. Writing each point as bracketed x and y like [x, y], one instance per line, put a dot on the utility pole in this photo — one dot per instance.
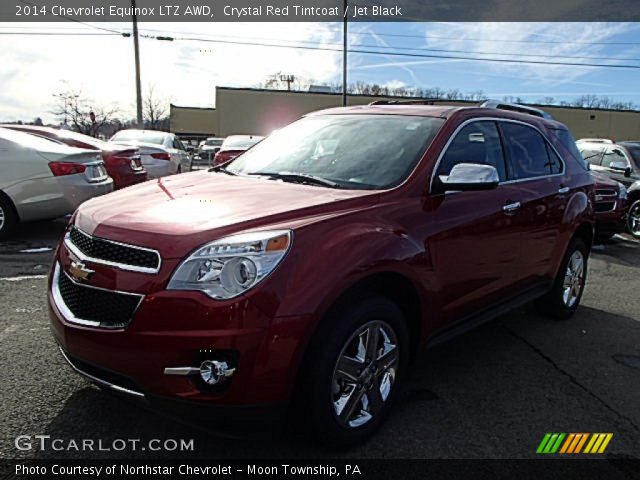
[344, 54]
[136, 48]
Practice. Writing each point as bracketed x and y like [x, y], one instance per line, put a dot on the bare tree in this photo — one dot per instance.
[83, 114]
[154, 110]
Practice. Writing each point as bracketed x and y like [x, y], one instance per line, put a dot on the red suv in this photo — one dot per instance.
[308, 271]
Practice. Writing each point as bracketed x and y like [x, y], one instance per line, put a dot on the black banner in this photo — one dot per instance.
[320, 10]
[585, 469]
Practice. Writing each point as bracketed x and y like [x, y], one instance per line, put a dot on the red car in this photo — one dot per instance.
[122, 163]
[233, 146]
[611, 207]
[303, 276]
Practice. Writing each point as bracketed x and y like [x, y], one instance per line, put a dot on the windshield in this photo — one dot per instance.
[240, 142]
[213, 143]
[354, 151]
[139, 136]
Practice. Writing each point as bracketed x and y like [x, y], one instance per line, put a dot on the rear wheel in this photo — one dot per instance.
[633, 219]
[354, 373]
[8, 218]
[563, 299]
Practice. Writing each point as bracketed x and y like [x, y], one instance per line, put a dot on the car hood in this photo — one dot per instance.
[178, 213]
[602, 181]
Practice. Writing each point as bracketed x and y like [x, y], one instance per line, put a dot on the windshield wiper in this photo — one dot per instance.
[298, 178]
[223, 169]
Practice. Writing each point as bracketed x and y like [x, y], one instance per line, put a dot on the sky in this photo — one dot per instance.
[185, 72]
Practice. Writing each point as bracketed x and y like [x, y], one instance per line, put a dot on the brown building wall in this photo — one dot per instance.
[252, 111]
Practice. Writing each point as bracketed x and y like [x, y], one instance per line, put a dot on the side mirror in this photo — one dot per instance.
[619, 166]
[470, 177]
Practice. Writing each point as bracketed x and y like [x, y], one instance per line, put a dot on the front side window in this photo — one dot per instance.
[479, 142]
[614, 155]
[352, 151]
[528, 152]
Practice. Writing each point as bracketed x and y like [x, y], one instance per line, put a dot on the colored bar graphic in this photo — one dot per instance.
[572, 443]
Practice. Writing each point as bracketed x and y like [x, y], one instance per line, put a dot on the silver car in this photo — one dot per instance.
[41, 178]
[162, 153]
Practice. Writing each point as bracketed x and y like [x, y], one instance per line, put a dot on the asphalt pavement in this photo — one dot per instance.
[492, 393]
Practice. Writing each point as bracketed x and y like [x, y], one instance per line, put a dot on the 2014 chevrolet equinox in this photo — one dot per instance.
[310, 269]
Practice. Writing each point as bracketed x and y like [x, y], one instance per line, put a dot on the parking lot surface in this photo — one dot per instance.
[492, 393]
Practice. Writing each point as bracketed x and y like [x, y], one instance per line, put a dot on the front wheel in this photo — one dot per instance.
[633, 219]
[563, 299]
[356, 373]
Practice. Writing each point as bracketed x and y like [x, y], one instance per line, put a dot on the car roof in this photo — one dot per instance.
[439, 111]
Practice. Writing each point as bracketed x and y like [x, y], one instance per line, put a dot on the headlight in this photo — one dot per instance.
[232, 265]
[622, 191]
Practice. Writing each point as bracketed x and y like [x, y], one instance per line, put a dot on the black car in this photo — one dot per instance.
[619, 161]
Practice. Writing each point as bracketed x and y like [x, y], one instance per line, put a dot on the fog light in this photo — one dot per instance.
[214, 372]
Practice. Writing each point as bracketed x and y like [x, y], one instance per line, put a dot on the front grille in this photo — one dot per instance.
[118, 254]
[606, 192]
[605, 206]
[103, 308]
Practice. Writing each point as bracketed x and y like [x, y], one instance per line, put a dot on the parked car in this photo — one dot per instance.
[207, 151]
[42, 178]
[610, 206]
[304, 275]
[122, 163]
[619, 161]
[161, 153]
[233, 146]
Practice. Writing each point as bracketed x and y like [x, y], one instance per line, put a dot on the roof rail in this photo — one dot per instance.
[516, 107]
[596, 140]
[402, 102]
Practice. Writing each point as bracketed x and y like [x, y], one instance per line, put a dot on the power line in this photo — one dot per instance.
[426, 36]
[67, 34]
[401, 54]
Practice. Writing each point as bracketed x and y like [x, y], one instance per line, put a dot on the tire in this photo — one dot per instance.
[633, 219]
[563, 299]
[8, 217]
[330, 408]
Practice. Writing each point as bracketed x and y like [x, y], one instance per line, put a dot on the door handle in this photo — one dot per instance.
[562, 190]
[511, 207]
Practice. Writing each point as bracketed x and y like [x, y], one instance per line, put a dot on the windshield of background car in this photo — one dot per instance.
[241, 143]
[135, 136]
[213, 143]
[354, 151]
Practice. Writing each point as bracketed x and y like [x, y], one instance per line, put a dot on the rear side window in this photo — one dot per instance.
[478, 142]
[592, 155]
[528, 152]
[569, 143]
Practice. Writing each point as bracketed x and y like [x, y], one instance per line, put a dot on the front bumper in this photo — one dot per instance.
[179, 329]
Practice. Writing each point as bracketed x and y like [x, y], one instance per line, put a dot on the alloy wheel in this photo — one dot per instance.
[634, 219]
[365, 373]
[2, 220]
[573, 279]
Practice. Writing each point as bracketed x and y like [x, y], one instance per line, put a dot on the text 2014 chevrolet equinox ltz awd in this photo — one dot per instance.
[304, 275]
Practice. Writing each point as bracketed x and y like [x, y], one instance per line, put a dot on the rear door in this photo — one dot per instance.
[477, 244]
[537, 170]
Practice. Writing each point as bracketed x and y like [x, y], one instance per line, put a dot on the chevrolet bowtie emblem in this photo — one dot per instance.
[79, 272]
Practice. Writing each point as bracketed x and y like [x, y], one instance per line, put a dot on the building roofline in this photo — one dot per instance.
[404, 97]
[171, 105]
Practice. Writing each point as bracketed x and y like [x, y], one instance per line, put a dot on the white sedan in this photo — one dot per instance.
[161, 153]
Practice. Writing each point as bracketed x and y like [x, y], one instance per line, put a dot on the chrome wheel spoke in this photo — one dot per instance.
[387, 360]
[350, 404]
[374, 398]
[373, 337]
[349, 368]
